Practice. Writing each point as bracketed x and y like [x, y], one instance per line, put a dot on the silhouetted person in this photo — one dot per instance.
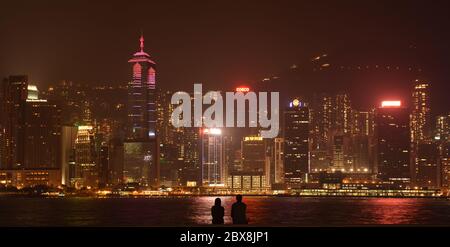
[238, 211]
[217, 212]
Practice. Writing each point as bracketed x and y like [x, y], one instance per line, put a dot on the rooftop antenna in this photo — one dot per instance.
[142, 41]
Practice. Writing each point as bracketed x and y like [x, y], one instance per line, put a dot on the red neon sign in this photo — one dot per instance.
[243, 89]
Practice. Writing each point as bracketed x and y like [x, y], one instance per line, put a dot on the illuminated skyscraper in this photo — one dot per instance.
[296, 145]
[213, 165]
[141, 121]
[321, 121]
[86, 173]
[362, 138]
[342, 114]
[420, 116]
[68, 165]
[393, 143]
[141, 97]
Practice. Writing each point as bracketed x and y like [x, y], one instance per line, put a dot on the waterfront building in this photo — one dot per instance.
[213, 163]
[296, 142]
[141, 119]
[393, 143]
[427, 166]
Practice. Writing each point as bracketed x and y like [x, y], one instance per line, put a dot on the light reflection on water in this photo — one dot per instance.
[271, 211]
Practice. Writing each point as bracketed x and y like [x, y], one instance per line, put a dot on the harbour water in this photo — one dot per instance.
[192, 211]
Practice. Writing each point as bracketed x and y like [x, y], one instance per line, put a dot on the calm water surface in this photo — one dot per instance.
[273, 211]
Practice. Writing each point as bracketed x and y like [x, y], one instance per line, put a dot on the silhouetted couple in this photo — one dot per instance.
[238, 212]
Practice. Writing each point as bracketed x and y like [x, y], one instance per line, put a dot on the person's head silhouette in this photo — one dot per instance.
[239, 198]
[217, 202]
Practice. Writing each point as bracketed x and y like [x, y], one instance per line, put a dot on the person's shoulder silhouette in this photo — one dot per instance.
[217, 212]
[238, 211]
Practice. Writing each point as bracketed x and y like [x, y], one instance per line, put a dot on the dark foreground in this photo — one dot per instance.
[262, 211]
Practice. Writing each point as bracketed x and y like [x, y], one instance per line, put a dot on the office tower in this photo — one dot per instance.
[228, 156]
[68, 138]
[253, 150]
[393, 143]
[14, 92]
[116, 161]
[141, 97]
[338, 152]
[86, 173]
[3, 124]
[363, 123]
[42, 135]
[169, 141]
[421, 113]
[443, 128]
[213, 167]
[362, 138]
[254, 165]
[444, 160]
[427, 167]
[342, 114]
[278, 161]
[103, 165]
[141, 139]
[296, 143]
[164, 126]
[189, 157]
[321, 121]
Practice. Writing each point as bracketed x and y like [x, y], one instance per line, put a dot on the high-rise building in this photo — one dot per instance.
[296, 142]
[253, 150]
[278, 161]
[86, 173]
[321, 114]
[189, 156]
[256, 157]
[427, 166]
[444, 160]
[338, 152]
[213, 165]
[342, 114]
[362, 140]
[104, 165]
[141, 120]
[142, 96]
[42, 135]
[13, 95]
[421, 113]
[116, 161]
[393, 143]
[442, 128]
[68, 138]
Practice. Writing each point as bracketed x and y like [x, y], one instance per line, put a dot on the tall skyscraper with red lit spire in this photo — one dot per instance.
[141, 149]
[141, 97]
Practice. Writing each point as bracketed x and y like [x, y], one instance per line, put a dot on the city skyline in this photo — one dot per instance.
[266, 113]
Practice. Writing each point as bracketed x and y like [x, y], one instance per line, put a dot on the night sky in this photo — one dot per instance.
[219, 42]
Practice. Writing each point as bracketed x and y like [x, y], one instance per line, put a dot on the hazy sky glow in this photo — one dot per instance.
[218, 42]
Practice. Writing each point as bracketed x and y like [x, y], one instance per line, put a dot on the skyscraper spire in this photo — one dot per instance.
[142, 41]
